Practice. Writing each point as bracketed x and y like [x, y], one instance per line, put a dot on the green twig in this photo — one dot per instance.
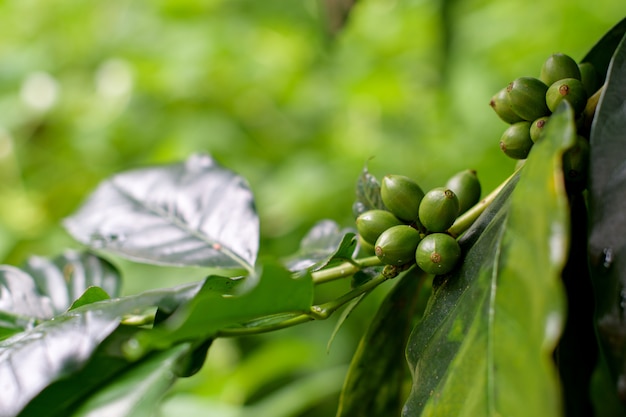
[317, 312]
[464, 221]
[346, 269]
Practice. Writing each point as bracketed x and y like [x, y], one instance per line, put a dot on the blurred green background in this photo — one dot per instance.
[88, 89]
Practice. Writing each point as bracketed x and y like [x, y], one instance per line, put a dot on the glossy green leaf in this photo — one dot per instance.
[607, 194]
[136, 392]
[275, 292]
[64, 394]
[64, 278]
[193, 213]
[374, 384]
[324, 243]
[55, 349]
[485, 344]
[602, 52]
[91, 295]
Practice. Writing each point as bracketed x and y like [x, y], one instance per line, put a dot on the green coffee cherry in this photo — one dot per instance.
[515, 141]
[537, 127]
[439, 209]
[589, 77]
[466, 186]
[528, 98]
[576, 164]
[501, 104]
[437, 253]
[557, 67]
[397, 245]
[402, 196]
[569, 89]
[372, 223]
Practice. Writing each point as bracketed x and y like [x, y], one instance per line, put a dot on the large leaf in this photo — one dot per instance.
[607, 197]
[55, 349]
[274, 292]
[69, 275]
[577, 353]
[485, 344]
[374, 384]
[45, 288]
[194, 213]
[602, 52]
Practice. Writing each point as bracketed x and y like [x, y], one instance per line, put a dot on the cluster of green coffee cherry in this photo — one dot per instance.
[412, 229]
[527, 102]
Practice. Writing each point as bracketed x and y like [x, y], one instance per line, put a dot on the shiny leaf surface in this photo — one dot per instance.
[66, 277]
[194, 213]
[484, 347]
[33, 359]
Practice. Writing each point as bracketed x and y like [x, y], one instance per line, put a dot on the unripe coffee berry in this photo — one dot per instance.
[397, 245]
[515, 142]
[437, 253]
[402, 196]
[466, 186]
[537, 127]
[557, 67]
[569, 89]
[528, 98]
[501, 104]
[589, 77]
[439, 209]
[372, 223]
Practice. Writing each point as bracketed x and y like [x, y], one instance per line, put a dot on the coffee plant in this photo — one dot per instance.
[509, 303]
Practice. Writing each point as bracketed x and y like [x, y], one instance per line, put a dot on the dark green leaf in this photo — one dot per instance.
[274, 292]
[194, 213]
[325, 242]
[374, 385]
[607, 194]
[64, 278]
[485, 344]
[91, 295]
[367, 194]
[577, 353]
[55, 349]
[600, 55]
